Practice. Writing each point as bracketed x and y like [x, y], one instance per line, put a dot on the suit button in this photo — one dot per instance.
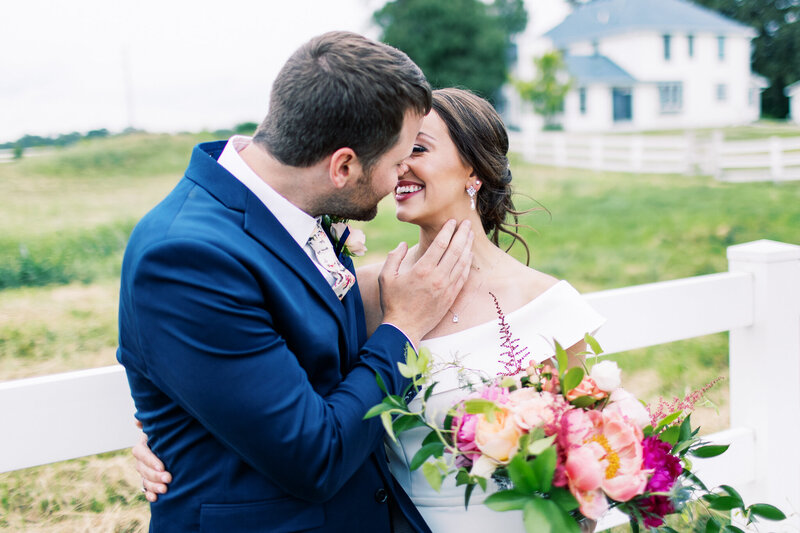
[409, 396]
[381, 496]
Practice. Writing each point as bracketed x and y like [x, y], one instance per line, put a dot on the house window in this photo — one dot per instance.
[596, 48]
[690, 43]
[721, 47]
[622, 100]
[582, 99]
[667, 51]
[722, 92]
[670, 96]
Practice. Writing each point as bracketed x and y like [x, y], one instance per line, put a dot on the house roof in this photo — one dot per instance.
[602, 18]
[596, 69]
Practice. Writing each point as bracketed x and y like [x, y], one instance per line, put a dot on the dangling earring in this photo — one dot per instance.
[471, 192]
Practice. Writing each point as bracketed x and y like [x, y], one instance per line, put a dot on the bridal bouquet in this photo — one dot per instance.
[564, 444]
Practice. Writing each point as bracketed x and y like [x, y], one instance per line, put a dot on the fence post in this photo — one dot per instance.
[765, 374]
[560, 149]
[775, 157]
[717, 141]
[637, 153]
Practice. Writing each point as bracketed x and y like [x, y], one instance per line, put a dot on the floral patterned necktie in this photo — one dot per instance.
[343, 279]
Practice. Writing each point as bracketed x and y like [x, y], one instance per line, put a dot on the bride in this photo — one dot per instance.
[459, 169]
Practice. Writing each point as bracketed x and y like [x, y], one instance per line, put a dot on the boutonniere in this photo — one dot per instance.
[349, 240]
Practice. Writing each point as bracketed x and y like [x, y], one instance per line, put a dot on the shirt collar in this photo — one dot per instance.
[297, 222]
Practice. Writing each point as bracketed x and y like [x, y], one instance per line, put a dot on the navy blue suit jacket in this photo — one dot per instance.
[251, 378]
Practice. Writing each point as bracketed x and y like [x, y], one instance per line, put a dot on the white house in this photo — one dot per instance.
[793, 93]
[652, 64]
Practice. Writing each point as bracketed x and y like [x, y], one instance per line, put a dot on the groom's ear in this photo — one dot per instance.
[344, 167]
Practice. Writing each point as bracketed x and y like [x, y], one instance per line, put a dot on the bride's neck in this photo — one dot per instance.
[485, 253]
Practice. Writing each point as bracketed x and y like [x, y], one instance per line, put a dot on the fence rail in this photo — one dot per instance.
[63, 416]
[771, 159]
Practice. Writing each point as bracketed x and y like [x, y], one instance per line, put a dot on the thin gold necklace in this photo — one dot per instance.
[477, 289]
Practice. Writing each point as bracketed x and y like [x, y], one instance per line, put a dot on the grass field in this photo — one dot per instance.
[67, 216]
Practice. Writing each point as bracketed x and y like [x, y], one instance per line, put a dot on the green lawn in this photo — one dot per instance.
[67, 216]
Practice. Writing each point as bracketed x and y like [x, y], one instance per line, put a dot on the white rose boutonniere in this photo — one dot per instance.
[355, 240]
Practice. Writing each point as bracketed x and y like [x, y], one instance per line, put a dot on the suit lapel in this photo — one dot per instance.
[261, 224]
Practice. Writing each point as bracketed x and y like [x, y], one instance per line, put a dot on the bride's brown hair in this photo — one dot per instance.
[482, 142]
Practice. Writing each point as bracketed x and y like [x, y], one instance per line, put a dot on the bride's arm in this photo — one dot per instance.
[371, 295]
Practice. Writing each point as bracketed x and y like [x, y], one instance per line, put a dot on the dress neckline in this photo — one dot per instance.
[507, 315]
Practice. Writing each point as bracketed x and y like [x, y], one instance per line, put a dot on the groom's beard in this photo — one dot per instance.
[359, 202]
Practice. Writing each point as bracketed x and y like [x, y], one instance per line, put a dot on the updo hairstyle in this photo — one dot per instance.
[482, 142]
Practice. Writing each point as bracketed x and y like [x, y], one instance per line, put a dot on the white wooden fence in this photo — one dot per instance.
[770, 159]
[63, 416]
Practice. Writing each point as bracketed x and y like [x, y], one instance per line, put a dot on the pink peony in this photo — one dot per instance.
[587, 387]
[532, 409]
[605, 442]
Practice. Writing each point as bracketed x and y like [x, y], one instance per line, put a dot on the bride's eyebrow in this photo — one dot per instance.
[423, 134]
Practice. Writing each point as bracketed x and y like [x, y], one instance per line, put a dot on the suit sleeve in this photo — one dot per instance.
[209, 343]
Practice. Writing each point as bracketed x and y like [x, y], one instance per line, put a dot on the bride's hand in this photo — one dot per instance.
[154, 476]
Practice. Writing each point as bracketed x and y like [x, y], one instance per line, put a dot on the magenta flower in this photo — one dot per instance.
[666, 469]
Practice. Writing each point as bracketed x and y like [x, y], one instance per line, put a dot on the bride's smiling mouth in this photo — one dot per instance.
[405, 189]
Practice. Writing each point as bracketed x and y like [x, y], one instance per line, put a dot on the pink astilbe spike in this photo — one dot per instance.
[515, 356]
[663, 408]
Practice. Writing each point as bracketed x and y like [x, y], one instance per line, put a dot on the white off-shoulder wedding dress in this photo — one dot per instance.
[464, 358]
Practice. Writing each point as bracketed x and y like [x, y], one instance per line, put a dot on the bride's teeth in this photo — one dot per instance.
[405, 189]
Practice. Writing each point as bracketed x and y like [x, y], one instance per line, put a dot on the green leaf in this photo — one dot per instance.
[667, 529]
[468, 494]
[712, 526]
[732, 529]
[686, 429]
[696, 480]
[765, 510]
[429, 390]
[522, 474]
[479, 406]
[507, 500]
[406, 422]
[386, 419]
[711, 450]
[572, 379]
[431, 437]
[667, 420]
[381, 384]
[725, 503]
[435, 449]
[564, 498]
[544, 466]
[583, 401]
[538, 446]
[544, 516]
[670, 434]
[561, 359]
[733, 494]
[593, 344]
[375, 410]
[433, 475]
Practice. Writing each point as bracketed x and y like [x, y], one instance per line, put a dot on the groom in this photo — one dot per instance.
[242, 333]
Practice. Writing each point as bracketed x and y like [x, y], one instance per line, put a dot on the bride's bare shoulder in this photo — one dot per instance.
[529, 281]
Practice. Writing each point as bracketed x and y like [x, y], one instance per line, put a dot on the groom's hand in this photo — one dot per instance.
[416, 300]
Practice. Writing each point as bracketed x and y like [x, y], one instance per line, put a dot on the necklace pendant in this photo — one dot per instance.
[455, 318]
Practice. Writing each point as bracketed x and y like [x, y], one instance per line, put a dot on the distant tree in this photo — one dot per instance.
[461, 43]
[97, 134]
[18, 150]
[776, 49]
[245, 128]
[546, 91]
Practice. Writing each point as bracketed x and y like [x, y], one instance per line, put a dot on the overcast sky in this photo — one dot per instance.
[160, 65]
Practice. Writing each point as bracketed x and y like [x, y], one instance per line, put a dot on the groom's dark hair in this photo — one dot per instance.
[339, 90]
